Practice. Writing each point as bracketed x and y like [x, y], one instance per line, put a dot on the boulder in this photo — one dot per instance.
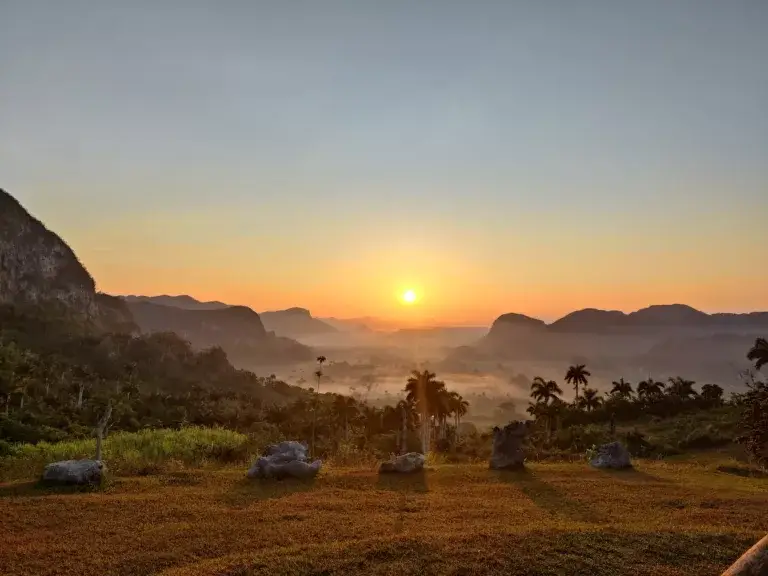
[507, 452]
[405, 464]
[612, 455]
[285, 460]
[75, 472]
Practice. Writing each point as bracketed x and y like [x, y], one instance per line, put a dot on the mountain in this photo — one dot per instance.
[237, 329]
[664, 340]
[290, 323]
[183, 301]
[294, 323]
[588, 320]
[39, 269]
[348, 324]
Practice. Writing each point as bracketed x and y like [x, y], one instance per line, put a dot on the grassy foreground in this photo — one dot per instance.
[662, 518]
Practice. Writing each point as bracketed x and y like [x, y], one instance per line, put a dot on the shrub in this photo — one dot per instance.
[143, 452]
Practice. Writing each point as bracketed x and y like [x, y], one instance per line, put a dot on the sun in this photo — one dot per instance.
[409, 296]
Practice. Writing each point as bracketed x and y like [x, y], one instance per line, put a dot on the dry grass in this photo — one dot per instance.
[661, 519]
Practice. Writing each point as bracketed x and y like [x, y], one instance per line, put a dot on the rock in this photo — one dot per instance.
[508, 451]
[405, 464]
[612, 455]
[285, 460]
[75, 472]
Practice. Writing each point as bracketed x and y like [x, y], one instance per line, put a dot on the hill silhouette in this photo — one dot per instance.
[289, 323]
[295, 322]
[182, 301]
[237, 329]
[39, 269]
[663, 340]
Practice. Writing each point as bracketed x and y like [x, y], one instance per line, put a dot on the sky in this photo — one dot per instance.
[493, 156]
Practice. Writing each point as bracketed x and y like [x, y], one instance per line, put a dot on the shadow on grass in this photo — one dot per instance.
[405, 484]
[743, 471]
[633, 476]
[39, 488]
[249, 490]
[413, 482]
[547, 497]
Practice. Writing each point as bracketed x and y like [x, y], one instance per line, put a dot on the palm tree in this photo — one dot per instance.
[759, 353]
[577, 375]
[318, 374]
[681, 388]
[458, 407]
[424, 390]
[621, 389]
[543, 391]
[650, 389]
[591, 400]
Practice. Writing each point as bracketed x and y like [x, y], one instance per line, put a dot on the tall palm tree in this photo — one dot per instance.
[577, 375]
[759, 353]
[424, 390]
[621, 389]
[318, 374]
[543, 391]
[458, 407]
[681, 388]
[650, 389]
[591, 400]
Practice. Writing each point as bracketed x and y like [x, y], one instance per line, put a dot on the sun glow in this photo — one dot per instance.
[409, 296]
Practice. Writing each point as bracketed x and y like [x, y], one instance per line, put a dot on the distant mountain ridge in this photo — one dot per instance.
[663, 340]
[181, 301]
[660, 315]
[290, 323]
[237, 329]
[295, 322]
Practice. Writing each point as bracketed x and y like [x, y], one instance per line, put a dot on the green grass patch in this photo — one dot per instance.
[127, 453]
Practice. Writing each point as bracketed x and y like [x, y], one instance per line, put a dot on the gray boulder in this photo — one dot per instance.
[405, 464]
[285, 460]
[612, 455]
[507, 451]
[75, 472]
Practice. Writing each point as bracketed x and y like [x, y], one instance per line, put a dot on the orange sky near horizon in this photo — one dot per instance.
[457, 281]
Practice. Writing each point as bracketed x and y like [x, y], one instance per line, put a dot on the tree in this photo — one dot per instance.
[590, 400]
[318, 374]
[424, 390]
[759, 353]
[681, 388]
[15, 367]
[458, 408]
[712, 393]
[621, 389]
[543, 391]
[345, 410]
[577, 375]
[650, 389]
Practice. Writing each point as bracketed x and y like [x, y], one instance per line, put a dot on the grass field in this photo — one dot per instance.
[662, 518]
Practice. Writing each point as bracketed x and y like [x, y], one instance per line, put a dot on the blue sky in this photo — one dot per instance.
[327, 153]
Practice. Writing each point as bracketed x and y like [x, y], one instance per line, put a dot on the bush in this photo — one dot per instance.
[141, 452]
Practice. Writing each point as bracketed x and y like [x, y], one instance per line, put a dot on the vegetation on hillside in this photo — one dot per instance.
[55, 381]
